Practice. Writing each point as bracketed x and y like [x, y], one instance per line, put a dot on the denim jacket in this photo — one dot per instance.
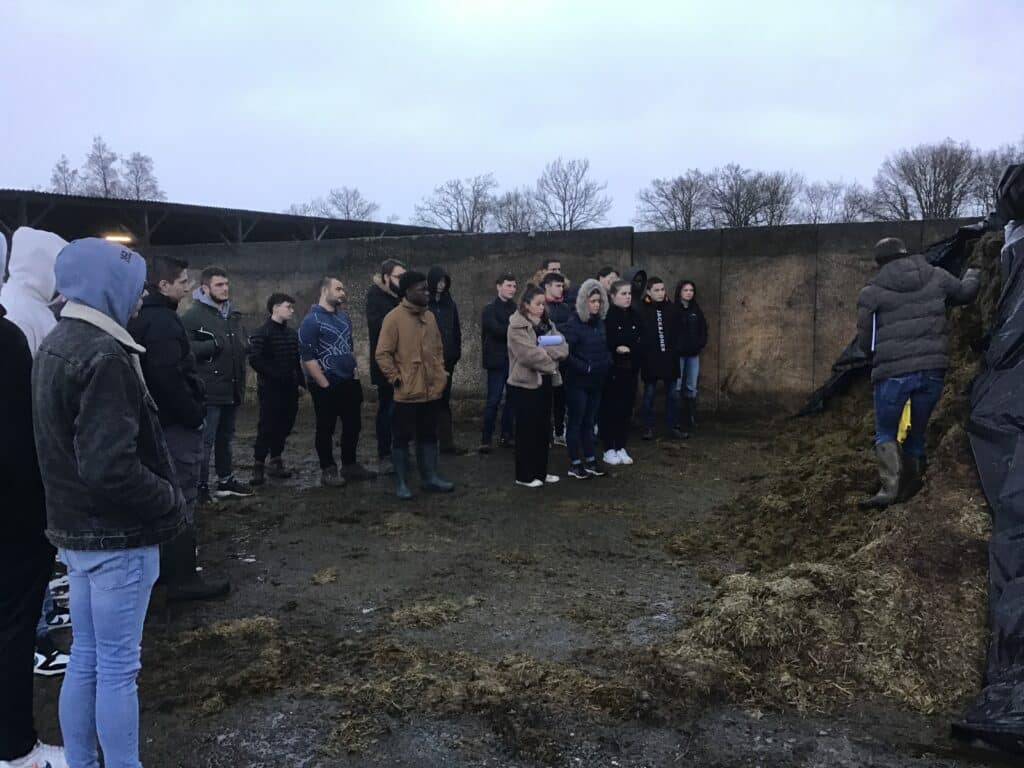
[106, 469]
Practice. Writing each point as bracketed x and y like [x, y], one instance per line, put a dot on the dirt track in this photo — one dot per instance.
[495, 626]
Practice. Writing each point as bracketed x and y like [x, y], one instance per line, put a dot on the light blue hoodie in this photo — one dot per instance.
[105, 276]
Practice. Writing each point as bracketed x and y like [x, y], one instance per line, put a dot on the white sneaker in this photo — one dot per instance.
[531, 484]
[612, 458]
[551, 479]
[623, 457]
[41, 756]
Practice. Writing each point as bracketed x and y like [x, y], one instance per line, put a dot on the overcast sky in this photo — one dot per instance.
[261, 104]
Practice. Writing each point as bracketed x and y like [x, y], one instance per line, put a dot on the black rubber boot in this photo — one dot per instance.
[912, 480]
[400, 460]
[258, 474]
[276, 469]
[178, 571]
[889, 472]
[426, 460]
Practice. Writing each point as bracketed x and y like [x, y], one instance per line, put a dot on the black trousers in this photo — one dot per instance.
[342, 401]
[278, 408]
[533, 430]
[558, 409]
[414, 421]
[445, 428]
[385, 401]
[26, 561]
[617, 408]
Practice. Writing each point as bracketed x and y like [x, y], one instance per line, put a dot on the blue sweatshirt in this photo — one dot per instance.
[327, 338]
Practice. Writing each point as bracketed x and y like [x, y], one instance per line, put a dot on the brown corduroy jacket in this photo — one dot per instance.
[409, 351]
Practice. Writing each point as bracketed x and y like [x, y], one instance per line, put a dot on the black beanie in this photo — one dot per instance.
[409, 279]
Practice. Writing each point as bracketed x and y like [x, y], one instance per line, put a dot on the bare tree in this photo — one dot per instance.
[566, 199]
[735, 196]
[349, 203]
[929, 181]
[461, 205]
[680, 203]
[138, 178]
[991, 165]
[779, 193]
[100, 176]
[64, 179]
[514, 211]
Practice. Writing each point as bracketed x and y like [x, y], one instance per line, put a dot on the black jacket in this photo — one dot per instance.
[168, 364]
[494, 333]
[220, 346]
[21, 489]
[637, 278]
[108, 475]
[622, 329]
[446, 312]
[589, 358]
[274, 355]
[691, 328]
[904, 308]
[659, 352]
[379, 301]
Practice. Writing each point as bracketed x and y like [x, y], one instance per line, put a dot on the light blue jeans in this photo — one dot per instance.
[109, 595]
[689, 372]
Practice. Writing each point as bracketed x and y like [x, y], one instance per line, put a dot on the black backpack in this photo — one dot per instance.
[1010, 193]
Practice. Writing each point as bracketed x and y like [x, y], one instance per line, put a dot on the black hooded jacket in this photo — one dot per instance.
[380, 300]
[659, 358]
[691, 326]
[169, 366]
[494, 333]
[636, 277]
[446, 312]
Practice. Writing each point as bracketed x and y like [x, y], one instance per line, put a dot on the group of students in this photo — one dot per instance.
[568, 361]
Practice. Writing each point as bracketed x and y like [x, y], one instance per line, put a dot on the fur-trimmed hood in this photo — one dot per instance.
[588, 287]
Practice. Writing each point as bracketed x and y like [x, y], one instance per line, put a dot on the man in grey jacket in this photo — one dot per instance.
[901, 323]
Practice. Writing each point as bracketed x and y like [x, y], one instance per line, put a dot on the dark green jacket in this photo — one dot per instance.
[220, 347]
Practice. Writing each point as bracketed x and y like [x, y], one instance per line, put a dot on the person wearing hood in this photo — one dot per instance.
[535, 348]
[219, 344]
[111, 492]
[328, 357]
[637, 279]
[692, 337]
[622, 330]
[901, 325]
[169, 369]
[410, 354]
[659, 356]
[381, 298]
[446, 313]
[26, 557]
[29, 289]
[585, 372]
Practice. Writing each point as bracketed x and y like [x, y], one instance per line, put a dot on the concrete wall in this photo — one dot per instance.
[780, 301]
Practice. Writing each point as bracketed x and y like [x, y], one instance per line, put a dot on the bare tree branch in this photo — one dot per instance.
[460, 205]
[515, 211]
[779, 192]
[735, 196]
[64, 179]
[349, 203]
[681, 203]
[139, 179]
[100, 177]
[566, 199]
[929, 181]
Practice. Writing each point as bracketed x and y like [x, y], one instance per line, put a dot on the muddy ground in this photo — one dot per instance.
[495, 626]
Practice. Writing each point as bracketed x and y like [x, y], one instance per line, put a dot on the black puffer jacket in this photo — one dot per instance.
[380, 300]
[589, 358]
[622, 328]
[904, 310]
[446, 312]
[220, 345]
[692, 327]
[494, 333]
[659, 353]
[274, 355]
[168, 364]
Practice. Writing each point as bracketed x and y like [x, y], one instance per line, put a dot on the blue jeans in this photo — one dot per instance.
[217, 438]
[671, 404]
[689, 372]
[496, 378]
[582, 406]
[923, 389]
[109, 595]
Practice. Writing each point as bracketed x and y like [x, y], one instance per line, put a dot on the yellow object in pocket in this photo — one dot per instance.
[901, 433]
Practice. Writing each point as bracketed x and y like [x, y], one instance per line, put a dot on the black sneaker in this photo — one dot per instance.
[232, 487]
[594, 470]
[49, 661]
[203, 497]
[58, 618]
[577, 471]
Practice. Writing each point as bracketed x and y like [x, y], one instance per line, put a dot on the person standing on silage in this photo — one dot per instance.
[901, 325]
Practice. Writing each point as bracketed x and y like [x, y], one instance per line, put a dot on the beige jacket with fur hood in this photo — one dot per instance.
[527, 360]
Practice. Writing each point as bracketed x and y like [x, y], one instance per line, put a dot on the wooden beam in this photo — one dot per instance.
[248, 231]
[36, 220]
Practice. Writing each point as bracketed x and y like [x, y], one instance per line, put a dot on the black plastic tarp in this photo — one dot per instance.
[996, 430]
[951, 254]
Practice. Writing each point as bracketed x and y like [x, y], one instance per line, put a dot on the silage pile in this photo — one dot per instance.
[840, 605]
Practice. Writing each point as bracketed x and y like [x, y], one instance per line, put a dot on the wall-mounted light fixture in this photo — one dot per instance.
[118, 238]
